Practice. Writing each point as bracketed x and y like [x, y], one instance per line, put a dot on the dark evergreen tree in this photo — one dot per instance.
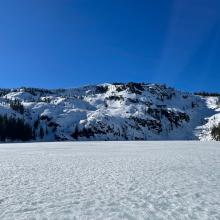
[41, 133]
[216, 132]
[36, 123]
[75, 134]
[46, 131]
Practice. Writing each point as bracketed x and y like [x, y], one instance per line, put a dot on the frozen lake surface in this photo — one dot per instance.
[110, 180]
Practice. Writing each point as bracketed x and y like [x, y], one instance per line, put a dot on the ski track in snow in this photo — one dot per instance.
[110, 180]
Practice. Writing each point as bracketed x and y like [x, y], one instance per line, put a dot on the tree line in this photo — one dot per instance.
[207, 93]
[15, 129]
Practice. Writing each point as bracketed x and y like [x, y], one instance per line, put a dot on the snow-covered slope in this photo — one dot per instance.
[203, 132]
[132, 111]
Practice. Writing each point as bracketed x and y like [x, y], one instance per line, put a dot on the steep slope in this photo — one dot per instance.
[119, 111]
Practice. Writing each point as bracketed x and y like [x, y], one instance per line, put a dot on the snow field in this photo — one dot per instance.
[110, 180]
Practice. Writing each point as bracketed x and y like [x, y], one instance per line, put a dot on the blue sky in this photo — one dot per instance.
[64, 43]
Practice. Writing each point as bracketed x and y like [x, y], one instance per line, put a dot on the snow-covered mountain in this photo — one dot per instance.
[119, 111]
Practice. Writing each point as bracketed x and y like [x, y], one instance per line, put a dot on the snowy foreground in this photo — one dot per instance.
[110, 180]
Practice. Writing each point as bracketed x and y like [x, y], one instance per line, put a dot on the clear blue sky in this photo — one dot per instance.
[69, 43]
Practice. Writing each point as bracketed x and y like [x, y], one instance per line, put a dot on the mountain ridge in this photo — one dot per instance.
[111, 111]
